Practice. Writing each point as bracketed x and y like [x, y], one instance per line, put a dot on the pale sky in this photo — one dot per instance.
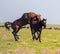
[10, 10]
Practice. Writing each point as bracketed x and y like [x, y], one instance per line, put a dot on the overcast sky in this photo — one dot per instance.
[11, 10]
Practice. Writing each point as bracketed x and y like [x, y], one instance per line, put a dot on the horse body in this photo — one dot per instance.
[37, 27]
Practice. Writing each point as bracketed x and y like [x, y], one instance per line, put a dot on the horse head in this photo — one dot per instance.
[44, 22]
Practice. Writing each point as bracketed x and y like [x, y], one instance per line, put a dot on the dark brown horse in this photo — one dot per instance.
[36, 27]
[25, 19]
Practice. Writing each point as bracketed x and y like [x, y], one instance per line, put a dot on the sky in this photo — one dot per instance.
[10, 10]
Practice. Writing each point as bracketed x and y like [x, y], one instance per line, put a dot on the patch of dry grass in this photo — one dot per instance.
[22, 51]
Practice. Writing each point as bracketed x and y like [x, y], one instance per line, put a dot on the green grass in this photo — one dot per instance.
[50, 40]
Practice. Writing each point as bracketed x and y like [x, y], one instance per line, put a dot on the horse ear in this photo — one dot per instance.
[45, 19]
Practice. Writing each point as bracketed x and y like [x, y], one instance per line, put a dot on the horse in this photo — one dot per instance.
[24, 20]
[36, 27]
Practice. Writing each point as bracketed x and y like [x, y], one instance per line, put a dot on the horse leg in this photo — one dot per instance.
[39, 36]
[33, 35]
[15, 35]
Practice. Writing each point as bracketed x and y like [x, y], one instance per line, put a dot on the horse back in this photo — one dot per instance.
[19, 22]
[32, 15]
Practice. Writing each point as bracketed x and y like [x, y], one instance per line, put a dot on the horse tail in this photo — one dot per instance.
[8, 25]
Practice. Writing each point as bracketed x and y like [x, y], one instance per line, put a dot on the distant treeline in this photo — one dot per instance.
[22, 27]
[50, 28]
[2, 26]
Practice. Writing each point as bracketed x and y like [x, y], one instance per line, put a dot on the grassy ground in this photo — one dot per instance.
[50, 42]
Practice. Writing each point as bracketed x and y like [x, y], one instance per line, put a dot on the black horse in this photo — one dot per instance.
[36, 27]
[24, 20]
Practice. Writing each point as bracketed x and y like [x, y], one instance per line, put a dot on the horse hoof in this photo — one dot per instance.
[16, 40]
[17, 37]
[39, 41]
[36, 38]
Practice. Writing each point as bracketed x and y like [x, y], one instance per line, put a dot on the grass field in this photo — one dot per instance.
[50, 42]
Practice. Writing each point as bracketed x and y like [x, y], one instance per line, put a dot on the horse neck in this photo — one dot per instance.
[40, 24]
